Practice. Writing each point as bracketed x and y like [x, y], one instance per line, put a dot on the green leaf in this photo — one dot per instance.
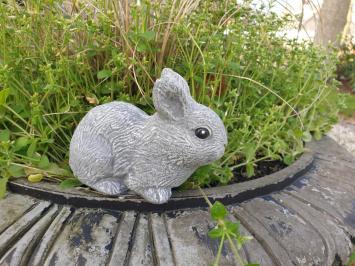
[4, 135]
[69, 183]
[32, 148]
[232, 228]
[21, 142]
[242, 239]
[148, 35]
[53, 170]
[249, 151]
[306, 137]
[16, 171]
[3, 96]
[58, 171]
[105, 73]
[44, 162]
[317, 134]
[215, 233]
[250, 169]
[3, 183]
[218, 211]
[35, 178]
[289, 159]
[351, 261]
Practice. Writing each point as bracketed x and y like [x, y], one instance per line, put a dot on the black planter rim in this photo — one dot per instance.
[234, 193]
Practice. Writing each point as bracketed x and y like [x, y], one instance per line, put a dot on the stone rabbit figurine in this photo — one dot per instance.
[117, 146]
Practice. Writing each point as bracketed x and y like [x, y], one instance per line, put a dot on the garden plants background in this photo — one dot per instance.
[60, 59]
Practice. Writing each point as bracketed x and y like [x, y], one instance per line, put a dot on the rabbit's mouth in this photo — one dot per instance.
[215, 155]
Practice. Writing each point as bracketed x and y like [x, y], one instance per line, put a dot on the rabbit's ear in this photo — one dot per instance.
[171, 95]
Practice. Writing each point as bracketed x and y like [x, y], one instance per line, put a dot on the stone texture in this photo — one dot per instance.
[117, 146]
[309, 223]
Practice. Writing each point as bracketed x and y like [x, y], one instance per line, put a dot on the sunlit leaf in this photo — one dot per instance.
[70, 183]
[218, 211]
[3, 96]
[105, 73]
[44, 162]
[215, 233]
[4, 135]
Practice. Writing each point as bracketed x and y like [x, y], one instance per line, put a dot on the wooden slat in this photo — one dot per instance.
[40, 253]
[86, 239]
[123, 239]
[161, 241]
[12, 207]
[17, 229]
[20, 252]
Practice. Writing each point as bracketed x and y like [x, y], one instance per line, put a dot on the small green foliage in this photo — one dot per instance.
[215, 233]
[70, 183]
[218, 211]
[3, 183]
[57, 62]
[44, 162]
[346, 66]
[4, 135]
[103, 74]
[351, 261]
[225, 229]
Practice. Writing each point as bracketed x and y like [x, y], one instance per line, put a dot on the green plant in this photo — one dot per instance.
[346, 65]
[58, 59]
[226, 230]
[351, 261]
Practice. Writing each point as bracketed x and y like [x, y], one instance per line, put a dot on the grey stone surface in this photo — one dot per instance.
[117, 146]
[309, 223]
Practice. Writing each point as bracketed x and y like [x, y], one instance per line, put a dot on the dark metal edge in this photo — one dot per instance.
[190, 199]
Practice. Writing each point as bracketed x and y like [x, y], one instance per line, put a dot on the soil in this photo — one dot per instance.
[261, 169]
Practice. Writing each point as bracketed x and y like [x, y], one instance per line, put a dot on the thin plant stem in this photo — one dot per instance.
[218, 257]
[235, 251]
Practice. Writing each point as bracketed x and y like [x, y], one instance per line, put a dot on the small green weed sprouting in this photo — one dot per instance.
[226, 230]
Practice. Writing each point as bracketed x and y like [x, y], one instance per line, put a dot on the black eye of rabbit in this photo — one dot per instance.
[202, 133]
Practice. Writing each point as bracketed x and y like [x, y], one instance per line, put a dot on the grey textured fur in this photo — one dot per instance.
[117, 146]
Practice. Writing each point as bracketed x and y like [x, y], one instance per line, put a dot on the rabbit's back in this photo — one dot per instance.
[103, 141]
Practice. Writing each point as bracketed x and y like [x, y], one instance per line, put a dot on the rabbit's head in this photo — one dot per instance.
[193, 131]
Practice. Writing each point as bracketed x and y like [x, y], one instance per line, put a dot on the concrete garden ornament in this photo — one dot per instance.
[117, 146]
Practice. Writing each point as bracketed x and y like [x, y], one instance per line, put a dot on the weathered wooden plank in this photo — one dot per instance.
[337, 172]
[40, 253]
[188, 231]
[289, 230]
[327, 194]
[20, 252]
[328, 149]
[162, 246]
[17, 229]
[272, 247]
[335, 240]
[86, 239]
[13, 206]
[141, 252]
[254, 252]
[123, 239]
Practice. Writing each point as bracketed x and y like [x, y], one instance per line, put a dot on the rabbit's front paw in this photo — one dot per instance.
[156, 195]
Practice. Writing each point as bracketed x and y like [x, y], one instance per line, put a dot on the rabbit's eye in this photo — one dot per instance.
[202, 133]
